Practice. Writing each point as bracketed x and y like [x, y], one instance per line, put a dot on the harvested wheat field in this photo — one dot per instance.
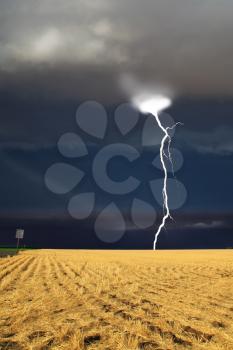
[115, 300]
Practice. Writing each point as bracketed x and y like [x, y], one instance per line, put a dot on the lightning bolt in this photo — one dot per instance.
[166, 138]
[153, 106]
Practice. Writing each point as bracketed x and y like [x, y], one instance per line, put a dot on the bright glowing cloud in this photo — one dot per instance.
[153, 104]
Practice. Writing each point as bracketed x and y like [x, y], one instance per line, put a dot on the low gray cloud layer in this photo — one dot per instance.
[81, 48]
[218, 141]
[207, 225]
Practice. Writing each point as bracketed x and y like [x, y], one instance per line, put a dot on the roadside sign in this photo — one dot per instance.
[19, 233]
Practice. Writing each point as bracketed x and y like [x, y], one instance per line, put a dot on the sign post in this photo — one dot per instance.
[19, 235]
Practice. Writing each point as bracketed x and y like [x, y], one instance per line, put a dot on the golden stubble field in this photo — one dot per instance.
[115, 300]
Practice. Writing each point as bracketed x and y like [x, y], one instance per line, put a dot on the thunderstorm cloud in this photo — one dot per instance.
[70, 48]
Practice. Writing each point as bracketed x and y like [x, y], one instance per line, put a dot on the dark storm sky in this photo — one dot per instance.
[56, 54]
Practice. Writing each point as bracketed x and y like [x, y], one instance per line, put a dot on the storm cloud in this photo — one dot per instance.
[72, 48]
